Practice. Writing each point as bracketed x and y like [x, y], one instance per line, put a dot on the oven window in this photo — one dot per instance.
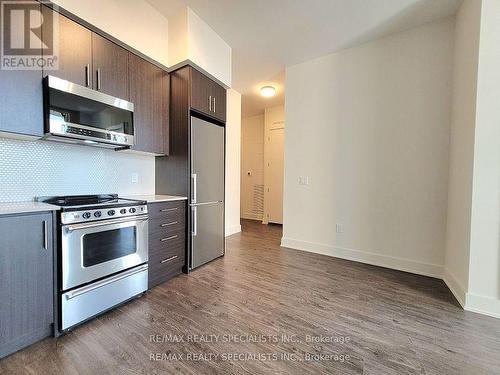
[104, 246]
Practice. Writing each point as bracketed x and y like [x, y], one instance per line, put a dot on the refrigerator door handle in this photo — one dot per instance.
[194, 188]
[194, 221]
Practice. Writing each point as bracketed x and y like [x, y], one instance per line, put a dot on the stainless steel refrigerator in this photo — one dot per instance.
[207, 191]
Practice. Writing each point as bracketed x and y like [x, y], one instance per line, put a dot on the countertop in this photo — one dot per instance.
[10, 208]
[156, 198]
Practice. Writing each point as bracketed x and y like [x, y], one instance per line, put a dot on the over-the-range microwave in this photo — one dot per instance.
[77, 114]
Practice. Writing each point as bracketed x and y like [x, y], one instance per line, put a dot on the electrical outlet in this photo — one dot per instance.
[135, 177]
[340, 228]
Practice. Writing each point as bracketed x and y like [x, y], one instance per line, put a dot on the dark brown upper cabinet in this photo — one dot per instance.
[75, 50]
[148, 92]
[110, 67]
[219, 100]
[21, 101]
[207, 96]
[88, 59]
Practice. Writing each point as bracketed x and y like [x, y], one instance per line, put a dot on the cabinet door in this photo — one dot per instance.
[201, 92]
[26, 280]
[219, 101]
[110, 67]
[21, 101]
[75, 55]
[146, 92]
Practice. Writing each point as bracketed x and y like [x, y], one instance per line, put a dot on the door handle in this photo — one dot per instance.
[169, 259]
[210, 103]
[87, 75]
[98, 77]
[194, 221]
[168, 224]
[131, 219]
[194, 188]
[169, 209]
[89, 288]
[215, 110]
[45, 235]
[169, 238]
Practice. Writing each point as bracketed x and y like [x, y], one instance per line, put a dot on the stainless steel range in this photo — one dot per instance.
[103, 254]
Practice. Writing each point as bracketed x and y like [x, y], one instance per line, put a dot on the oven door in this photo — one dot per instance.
[90, 251]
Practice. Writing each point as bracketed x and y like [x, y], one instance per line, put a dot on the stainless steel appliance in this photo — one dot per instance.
[77, 114]
[103, 254]
[207, 191]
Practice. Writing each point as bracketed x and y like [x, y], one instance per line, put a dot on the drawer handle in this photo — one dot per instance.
[168, 209]
[169, 259]
[168, 224]
[168, 238]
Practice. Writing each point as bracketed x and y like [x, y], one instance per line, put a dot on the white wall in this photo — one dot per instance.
[233, 162]
[462, 147]
[134, 22]
[41, 168]
[252, 160]
[192, 39]
[370, 127]
[484, 277]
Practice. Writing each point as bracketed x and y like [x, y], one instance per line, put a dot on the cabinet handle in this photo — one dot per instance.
[87, 75]
[45, 235]
[168, 224]
[210, 103]
[168, 209]
[168, 238]
[98, 76]
[169, 259]
[214, 106]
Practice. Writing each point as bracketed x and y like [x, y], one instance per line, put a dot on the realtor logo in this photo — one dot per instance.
[28, 36]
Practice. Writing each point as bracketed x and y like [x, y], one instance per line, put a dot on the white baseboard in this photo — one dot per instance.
[483, 305]
[233, 230]
[420, 268]
[458, 290]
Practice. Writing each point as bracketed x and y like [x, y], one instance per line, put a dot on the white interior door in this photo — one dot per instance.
[274, 175]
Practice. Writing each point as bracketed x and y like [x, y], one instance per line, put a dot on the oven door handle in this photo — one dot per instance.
[130, 219]
[89, 288]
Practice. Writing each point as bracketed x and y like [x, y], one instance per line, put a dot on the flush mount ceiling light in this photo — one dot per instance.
[267, 91]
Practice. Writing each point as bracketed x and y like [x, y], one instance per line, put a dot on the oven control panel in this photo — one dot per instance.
[85, 215]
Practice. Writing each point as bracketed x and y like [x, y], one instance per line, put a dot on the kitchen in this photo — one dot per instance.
[89, 250]
[192, 186]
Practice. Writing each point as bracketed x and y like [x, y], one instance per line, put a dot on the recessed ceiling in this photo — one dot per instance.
[268, 35]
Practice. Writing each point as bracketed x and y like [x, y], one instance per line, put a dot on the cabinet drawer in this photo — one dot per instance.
[166, 225]
[164, 269]
[170, 240]
[162, 254]
[174, 210]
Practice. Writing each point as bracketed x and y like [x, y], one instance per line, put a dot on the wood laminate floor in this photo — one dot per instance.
[263, 304]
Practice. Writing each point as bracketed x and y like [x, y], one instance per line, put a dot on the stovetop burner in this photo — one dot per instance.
[80, 208]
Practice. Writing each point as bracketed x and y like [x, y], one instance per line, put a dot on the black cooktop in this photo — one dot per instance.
[88, 201]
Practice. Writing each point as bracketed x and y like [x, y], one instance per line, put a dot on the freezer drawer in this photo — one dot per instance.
[207, 233]
[83, 303]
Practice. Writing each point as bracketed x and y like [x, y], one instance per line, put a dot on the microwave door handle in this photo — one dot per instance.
[132, 219]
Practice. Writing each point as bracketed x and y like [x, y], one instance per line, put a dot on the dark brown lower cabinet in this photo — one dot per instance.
[26, 280]
[167, 240]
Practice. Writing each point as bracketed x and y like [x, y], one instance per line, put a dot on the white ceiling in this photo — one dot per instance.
[268, 35]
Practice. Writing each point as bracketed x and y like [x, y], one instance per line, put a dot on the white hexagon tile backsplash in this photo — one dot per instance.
[39, 168]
